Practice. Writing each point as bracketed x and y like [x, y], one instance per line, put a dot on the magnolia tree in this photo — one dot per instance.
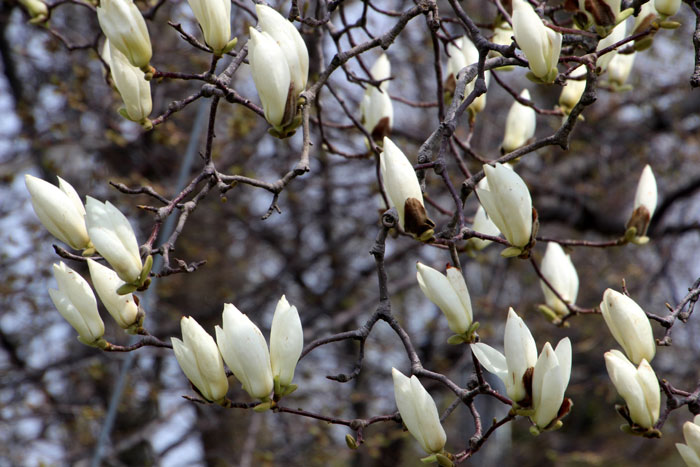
[333, 129]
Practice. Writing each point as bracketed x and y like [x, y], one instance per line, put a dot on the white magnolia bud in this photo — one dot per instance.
[418, 412]
[124, 26]
[200, 360]
[77, 304]
[502, 35]
[449, 292]
[245, 352]
[381, 71]
[60, 210]
[36, 9]
[462, 53]
[667, 7]
[286, 341]
[690, 452]
[483, 224]
[507, 201]
[114, 239]
[619, 69]
[572, 92]
[132, 86]
[615, 36]
[647, 194]
[540, 44]
[123, 308]
[629, 326]
[637, 386]
[376, 107]
[403, 190]
[214, 17]
[271, 76]
[549, 381]
[558, 269]
[520, 125]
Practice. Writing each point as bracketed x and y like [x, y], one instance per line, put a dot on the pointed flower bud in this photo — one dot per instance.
[507, 201]
[376, 108]
[60, 210]
[690, 452]
[200, 360]
[558, 269]
[123, 308]
[667, 7]
[540, 44]
[619, 70]
[520, 125]
[549, 381]
[214, 17]
[637, 386]
[77, 304]
[629, 326]
[482, 224]
[132, 86]
[418, 412]
[615, 36]
[572, 92]
[286, 342]
[462, 53]
[449, 292]
[124, 26]
[271, 77]
[245, 352]
[502, 35]
[645, 201]
[403, 190]
[114, 239]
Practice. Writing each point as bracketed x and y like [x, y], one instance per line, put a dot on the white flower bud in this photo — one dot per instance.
[463, 52]
[449, 292]
[615, 36]
[629, 326]
[200, 360]
[507, 201]
[124, 26]
[418, 412]
[667, 7]
[403, 190]
[549, 381]
[520, 125]
[114, 239]
[558, 269]
[572, 92]
[76, 302]
[483, 224]
[245, 352]
[376, 107]
[637, 386]
[540, 44]
[690, 452]
[123, 308]
[286, 341]
[214, 17]
[647, 193]
[619, 69]
[132, 86]
[60, 210]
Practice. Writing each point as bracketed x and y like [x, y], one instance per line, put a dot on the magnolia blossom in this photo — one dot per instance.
[132, 86]
[690, 452]
[403, 190]
[124, 26]
[60, 210]
[502, 35]
[507, 201]
[558, 269]
[615, 36]
[376, 108]
[549, 381]
[214, 17]
[449, 292]
[482, 224]
[123, 308]
[619, 70]
[540, 44]
[418, 412]
[645, 200]
[114, 239]
[629, 326]
[245, 352]
[637, 386]
[77, 304]
[462, 53]
[667, 7]
[572, 92]
[286, 342]
[520, 125]
[200, 360]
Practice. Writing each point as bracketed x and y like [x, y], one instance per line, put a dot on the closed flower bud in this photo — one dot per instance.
[520, 125]
[376, 108]
[617, 34]
[124, 26]
[667, 7]
[482, 224]
[286, 342]
[540, 44]
[449, 292]
[690, 452]
[131, 83]
[403, 190]
[637, 386]
[561, 274]
[502, 35]
[123, 308]
[629, 326]
[463, 52]
[572, 92]
[418, 412]
[507, 201]
[549, 381]
[77, 304]
[200, 360]
[645, 200]
[245, 352]
[619, 70]
[114, 239]
[60, 210]
[214, 17]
